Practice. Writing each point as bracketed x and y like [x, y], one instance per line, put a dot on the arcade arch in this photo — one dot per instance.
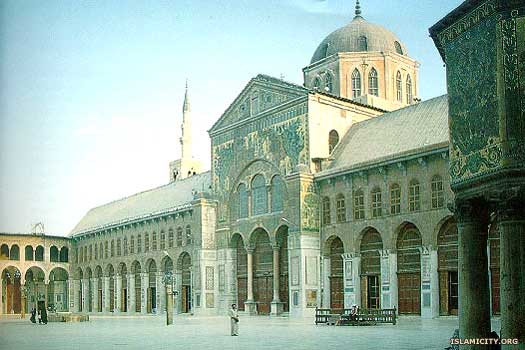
[370, 247]
[409, 269]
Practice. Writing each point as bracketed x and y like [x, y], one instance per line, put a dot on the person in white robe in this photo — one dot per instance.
[234, 320]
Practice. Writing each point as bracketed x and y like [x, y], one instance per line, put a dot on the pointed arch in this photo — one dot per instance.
[356, 83]
[373, 82]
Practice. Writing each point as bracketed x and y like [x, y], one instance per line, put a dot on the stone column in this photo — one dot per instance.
[474, 296]
[1, 297]
[46, 287]
[105, 293]
[131, 293]
[94, 288]
[249, 304]
[118, 292]
[386, 300]
[325, 285]
[160, 293]
[511, 225]
[85, 295]
[178, 291]
[276, 306]
[144, 284]
[169, 304]
[392, 262]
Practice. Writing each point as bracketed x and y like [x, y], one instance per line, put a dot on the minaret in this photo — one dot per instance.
[185, 139]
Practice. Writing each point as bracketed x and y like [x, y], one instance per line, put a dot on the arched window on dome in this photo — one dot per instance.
[333, 140]
[363, 43]
[373, 82]
[397, 45]
[356, 83]
[329, 83]
[399, 87]
[317, 83]
[409, 90]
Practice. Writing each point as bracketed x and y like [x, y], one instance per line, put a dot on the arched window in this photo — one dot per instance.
[399, 87]
[80, 255]
[14, 253]
[119, 247]
[125, 245]
[85, 253]
[53, 254]
[243, 201]
[414, 199]
[397, 45]
[146, 242]
[132, 245]
[438, 195]
[395, 199]
[162, 240]
[409, 90]
[96, 251]
[101, 251]
[179, 236]
[356, 83]
[277, 193]
[329, 83]
[359, 205]
[90, 252]
[154, 241]
[333, 140]
[326, 211]
[189, 238]
[373, 82]
[39, 253]
[340, 208]
[259, 195]
[112, 249]
[106, 249]
[4, 252]
[377, 203]
[28, 253]
[317, 83]
[170, 238]
[363, 43]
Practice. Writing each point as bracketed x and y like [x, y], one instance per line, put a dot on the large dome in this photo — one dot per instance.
[358, 36]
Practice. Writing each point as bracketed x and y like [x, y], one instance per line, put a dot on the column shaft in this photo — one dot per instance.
[131, 293]
[118, 293]
[94, 289]
[276, 274]
[106, 295]
[249, 256]
[144, 284]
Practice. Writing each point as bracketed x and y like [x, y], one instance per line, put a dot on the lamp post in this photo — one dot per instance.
[167, 279]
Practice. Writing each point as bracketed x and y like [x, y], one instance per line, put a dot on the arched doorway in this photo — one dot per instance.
[335, 251]
[242, 270]
[98, 287]
[11, 288]
[184, 266]
[282, 241]
[409, 269]
[58, 289]
[123, 271]
[111, 296]
[447, 243]
[35, 288]
[135, 269]
[151, 296]
[371, 245]
[262, 271]
[494, 267]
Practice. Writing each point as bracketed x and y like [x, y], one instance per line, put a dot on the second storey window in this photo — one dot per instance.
[326, 211]
[395, 199]
[179, 236]
[414, 198]
[376, 203]
[438, 195]
[359, 205]
[139, 244]
[340, 208]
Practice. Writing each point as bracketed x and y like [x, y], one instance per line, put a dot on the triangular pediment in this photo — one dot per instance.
[259, 95]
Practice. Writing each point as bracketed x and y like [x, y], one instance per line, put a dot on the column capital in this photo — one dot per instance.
[249, 250]
[475, 210]
[276, 246]
[510, 204]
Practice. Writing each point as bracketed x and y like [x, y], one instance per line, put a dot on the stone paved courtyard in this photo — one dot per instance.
[203, 333]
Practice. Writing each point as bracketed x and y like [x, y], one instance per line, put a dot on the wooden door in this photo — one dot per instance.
[242, 292]
[453, 293]
[495, 286]
[124, 300]
[148, 300]
[283, 292]
[373, 292]
[263, 294]
[336, 293]
[138, 302]
[443, 292]
[153, 299]
[184, 299]
[409, 285]
[100, 300]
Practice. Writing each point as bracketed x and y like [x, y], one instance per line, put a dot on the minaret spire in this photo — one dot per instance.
[357, 9]
[185, 140]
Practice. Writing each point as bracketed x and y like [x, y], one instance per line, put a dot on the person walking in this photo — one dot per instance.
[33, 315]
[44, 316]
[234, 320]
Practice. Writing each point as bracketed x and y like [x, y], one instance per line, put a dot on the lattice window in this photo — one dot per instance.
[125, 245]
[146, 243]
[326, 211]
[438, 195]
[119, 247]
[399, 87]
[373, 82]
[132, 245]
[409, 90]
[154, 241]
[189, 237]
[333, 140]
[414, 197]
[170, 238]
[340, 207]
[162, 240]
[179, 236]
[139, 243]
[377, 203]
[359, 205]
[329, 83]
[112, 249]
[395, 199]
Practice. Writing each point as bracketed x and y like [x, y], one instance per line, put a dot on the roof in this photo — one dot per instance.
[151, 202]
[348, 39]
[409, 130]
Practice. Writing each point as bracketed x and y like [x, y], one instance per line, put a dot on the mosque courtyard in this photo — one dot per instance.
[201, 333]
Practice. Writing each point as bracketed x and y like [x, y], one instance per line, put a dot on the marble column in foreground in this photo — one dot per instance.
[276, 306]
[105, 294]
[249, 304]
[94, 288]
[118, 293]
[131, 293]
[144, 283]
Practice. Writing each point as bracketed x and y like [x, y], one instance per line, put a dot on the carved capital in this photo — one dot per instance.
[510, 205]
[474, 210]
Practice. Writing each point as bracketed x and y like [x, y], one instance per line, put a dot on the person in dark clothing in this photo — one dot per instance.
[33, 315]
[44, 316]
[39, 316]
[494, 335]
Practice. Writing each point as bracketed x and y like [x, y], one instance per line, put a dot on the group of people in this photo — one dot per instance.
[42, 316]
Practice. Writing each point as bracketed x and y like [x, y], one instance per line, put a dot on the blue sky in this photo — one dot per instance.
[91, 91]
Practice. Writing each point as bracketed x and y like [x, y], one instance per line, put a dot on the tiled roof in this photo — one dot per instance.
[151, 202]
[409, 130]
